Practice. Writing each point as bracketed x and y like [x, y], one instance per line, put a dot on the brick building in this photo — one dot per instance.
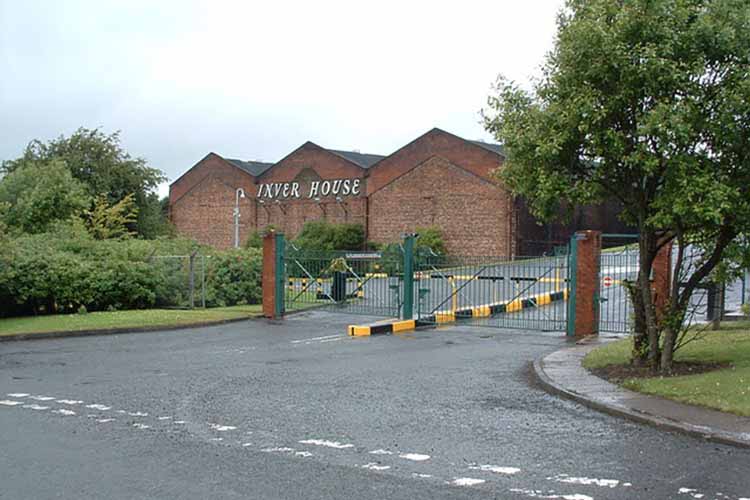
[437, 179]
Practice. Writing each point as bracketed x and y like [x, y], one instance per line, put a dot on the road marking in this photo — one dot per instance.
[216, 439]
[180, 422]
[381, 452]
[329, 444]
[467, 481]
[417, 457]
[587, 481]
[36, 407]
[68, 401]
[138, 425]
[105, 420]
[423, 476]
[375, 466]
[96, 406]
[8, 402]
[17, 394]
[222, 428]
[164, 418]
[332, 340]
[63, 411]
[137, 414]
[247, 444]
[303, 454]
[550, 495]
[496, 469]
[41, 398]
[282, 449]
[316, 338]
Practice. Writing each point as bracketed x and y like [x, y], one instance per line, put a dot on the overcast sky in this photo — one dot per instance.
[254, 80]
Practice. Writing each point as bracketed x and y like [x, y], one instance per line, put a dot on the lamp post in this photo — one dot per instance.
[240, 193]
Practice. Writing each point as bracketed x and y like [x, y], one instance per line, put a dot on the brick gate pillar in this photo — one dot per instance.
[661, 281]
[273, 248]
[583, 295]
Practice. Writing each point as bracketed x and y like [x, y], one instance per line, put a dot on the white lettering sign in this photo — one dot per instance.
[335, 187]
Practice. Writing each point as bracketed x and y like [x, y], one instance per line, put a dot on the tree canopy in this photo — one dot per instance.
[98, 161]
[648, 102]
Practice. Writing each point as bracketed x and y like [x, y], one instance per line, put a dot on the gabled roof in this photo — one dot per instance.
[254, 168]
[490, 146]
[364, 160]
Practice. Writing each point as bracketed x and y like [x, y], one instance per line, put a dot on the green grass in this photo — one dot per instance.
[726, 389]
[122, 319]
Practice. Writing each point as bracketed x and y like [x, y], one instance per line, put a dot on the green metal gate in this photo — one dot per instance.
[520, 293]
[370, 283]
[617, 265]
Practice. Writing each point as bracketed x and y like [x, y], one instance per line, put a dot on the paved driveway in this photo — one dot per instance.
[296, 409]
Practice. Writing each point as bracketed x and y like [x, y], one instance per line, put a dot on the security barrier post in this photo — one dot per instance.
[273, 275]
[408, 311]
[583, 301]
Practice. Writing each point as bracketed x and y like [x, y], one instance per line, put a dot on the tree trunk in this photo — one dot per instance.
[647, 249]
[639, 355]
[667, 353]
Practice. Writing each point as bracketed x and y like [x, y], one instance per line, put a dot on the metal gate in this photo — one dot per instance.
[520, 293]
[399, 282]
[617, 265]
[368, 283]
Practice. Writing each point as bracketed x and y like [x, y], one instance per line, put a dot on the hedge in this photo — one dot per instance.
[68, 271]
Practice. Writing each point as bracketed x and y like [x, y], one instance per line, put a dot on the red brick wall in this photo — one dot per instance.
[434, 143]
[587, 283]
[288, 216]
[202, 202]
[473, 212]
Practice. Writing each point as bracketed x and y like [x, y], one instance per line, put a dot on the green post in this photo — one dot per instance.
[408, 277]
[280, 272]
[570, 330]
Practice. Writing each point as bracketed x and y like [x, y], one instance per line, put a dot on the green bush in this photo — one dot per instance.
[66, 270]
[321, 235]
[431, 237]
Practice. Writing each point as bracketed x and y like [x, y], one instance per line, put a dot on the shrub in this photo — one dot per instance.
[234, 277]
[431, 237]
[321, 235]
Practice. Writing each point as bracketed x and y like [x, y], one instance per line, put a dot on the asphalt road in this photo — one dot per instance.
[296, 409]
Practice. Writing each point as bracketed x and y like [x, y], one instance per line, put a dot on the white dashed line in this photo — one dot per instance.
[467, 481]
[496, 469]
[8, 402]
[105, 420]
[17, 394]
[141, 426]
[164, 418]
[41, 398]
[375, 466]
[329, 444]
[380, 452]
[65, 412]
[68, 401]
[303, 454]
[222, 428]
[423, 476]
[282, 449]
[180, 422]
[417, 457]
[137, 414]
[325, 337]
[99, 407]
[36, 407]
[245, 445]
[587, 481]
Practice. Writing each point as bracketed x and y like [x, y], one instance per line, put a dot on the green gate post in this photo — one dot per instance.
[280, 287]
[570, 330]
[408, 277]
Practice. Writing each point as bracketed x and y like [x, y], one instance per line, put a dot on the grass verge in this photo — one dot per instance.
[726, 389]
[123, 319]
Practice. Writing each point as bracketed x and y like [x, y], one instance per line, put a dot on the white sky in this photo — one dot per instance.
[254, 80]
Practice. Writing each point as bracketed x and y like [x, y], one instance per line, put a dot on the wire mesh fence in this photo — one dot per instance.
[182, 280]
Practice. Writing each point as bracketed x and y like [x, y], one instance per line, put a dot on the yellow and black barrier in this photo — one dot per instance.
[487, 310]
[392, 327]
[483, 311]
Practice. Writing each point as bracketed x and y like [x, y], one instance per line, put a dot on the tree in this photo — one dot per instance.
[99, 162]
[39, 194]
[105, 221]
[648, 102]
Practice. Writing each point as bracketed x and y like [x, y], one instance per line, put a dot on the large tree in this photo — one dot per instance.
[648, 102]
[38, 195]
[98, 161]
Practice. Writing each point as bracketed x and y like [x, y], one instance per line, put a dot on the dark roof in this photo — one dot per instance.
[495, 148]
[361, 159]
[254, 168]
